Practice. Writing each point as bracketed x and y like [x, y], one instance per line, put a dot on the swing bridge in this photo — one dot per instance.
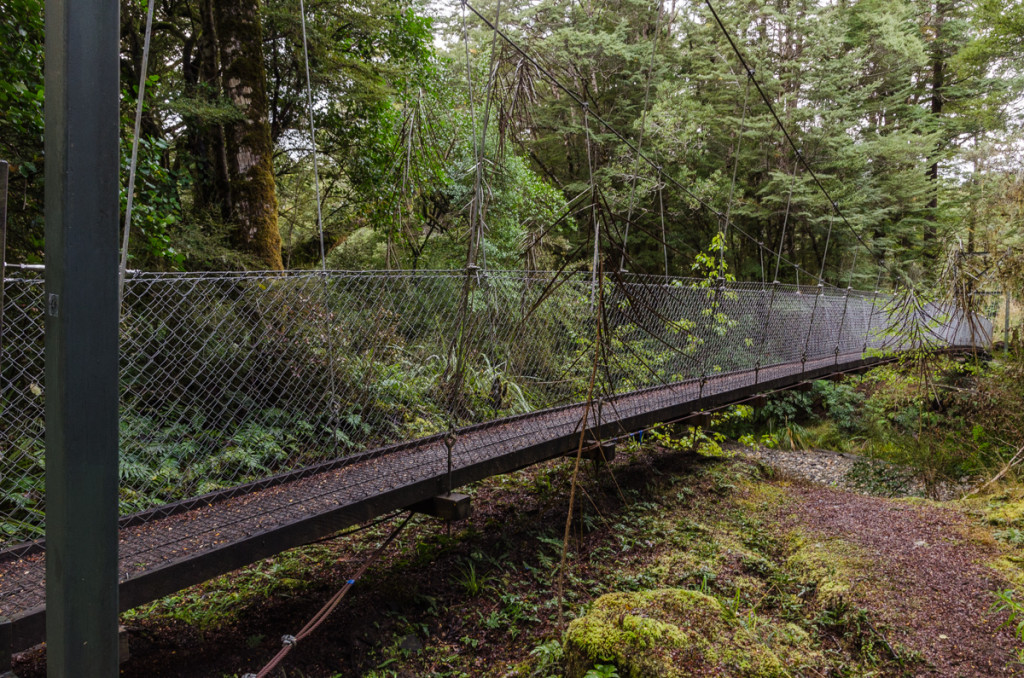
[263, 411]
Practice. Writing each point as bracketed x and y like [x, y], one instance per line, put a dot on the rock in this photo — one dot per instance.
[411, 643]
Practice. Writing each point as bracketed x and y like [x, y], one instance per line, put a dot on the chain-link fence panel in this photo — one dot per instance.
[22, 429]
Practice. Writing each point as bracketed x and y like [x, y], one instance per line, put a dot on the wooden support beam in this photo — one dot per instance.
[804, 386]
[595, 450]
[123, 651]
[758, 401]
[447, 507]
[6, 648]
[701, 419]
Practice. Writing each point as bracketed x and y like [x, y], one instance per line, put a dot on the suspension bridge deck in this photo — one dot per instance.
[169, 548]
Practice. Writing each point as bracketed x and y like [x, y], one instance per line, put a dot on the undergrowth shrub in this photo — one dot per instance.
[946, 417]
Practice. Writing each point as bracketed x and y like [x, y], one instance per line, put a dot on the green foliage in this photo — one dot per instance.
[1012, 535]
[156, 208]
[941, 418]
[472, 582]
[548, 659]
[1007, 602]
[787, 407]
[399, 140]
[22, 491]
[705, 441]
[829, 415]
[21, 124]
[842, 403]
[710, 266]
[765, 440]
[220, 601]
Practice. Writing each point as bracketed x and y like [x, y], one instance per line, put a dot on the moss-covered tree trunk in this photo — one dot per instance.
[252, 206]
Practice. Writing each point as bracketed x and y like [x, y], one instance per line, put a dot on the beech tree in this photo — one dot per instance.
[250, 203]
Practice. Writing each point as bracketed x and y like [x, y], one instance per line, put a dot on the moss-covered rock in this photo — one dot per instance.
[1004, 510]
[675, 633]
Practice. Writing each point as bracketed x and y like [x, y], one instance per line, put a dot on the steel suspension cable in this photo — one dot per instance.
[610, 128]
[775, 283]
[782, 235]
[824, 254]
[874, 304]
[846, 305]
[471, 256]
[458, 348]
[664, 231]
[817, 296]
[329, 334]
[640, 141]
[409, 129]
[482, 146]
[803, 161]
[764, 278]
[724, 230]
[593, 204]
[312, 138]
[490, 293]
[133, 166]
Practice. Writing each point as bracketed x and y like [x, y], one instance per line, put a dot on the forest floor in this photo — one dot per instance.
[806, 580]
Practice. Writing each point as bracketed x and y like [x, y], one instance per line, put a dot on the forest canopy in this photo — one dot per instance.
[437, 139]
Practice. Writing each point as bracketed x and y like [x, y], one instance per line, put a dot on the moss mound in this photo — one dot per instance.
[673, 633]
[830, 565]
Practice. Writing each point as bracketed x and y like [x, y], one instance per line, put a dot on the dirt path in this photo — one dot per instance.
[926, 579]
[478, 602]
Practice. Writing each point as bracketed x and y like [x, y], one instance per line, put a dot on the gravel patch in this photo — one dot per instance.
[854, 472]
[818, 466]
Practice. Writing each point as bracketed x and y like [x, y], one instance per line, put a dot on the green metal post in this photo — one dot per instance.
[81, 110]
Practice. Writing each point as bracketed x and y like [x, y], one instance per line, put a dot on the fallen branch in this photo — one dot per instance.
[1010, 464]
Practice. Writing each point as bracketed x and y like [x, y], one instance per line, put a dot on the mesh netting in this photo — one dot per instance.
[230, 378]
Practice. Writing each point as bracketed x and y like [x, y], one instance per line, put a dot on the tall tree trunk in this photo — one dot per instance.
[253, 200]
[205, 139]
[938, 83]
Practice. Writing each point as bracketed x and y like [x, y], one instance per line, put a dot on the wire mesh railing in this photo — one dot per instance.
[229, 378]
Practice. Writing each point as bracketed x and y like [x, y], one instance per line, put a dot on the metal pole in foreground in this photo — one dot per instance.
[81, 109]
